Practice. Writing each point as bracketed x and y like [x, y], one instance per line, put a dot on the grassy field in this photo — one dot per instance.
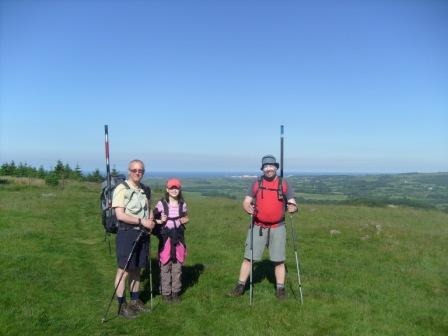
[365, 271]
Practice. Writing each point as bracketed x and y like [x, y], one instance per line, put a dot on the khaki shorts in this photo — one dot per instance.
[277, 243]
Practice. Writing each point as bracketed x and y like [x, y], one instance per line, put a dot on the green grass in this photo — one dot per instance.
[384, 273]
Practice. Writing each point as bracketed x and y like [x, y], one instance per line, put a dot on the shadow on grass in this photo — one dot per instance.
[264, 269]
[190, 277]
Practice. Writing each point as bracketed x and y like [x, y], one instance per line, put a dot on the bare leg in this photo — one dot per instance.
[244, 271]
[122, 285]
[134, 280]
[280, 273]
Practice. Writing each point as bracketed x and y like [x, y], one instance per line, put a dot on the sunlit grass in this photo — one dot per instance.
[365, 271]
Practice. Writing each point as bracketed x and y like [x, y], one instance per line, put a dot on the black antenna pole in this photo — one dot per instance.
[281, 150]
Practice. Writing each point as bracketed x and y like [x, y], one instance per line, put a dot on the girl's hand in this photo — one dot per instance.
[163, 218]
[184, 220]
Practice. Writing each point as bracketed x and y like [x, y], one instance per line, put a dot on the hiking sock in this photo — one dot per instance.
[121, 299]
[279, 286]
[134, 295]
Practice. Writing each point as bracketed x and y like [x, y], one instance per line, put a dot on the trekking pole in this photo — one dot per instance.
[295, 243]
[294, 238]
[121, 276]
[150, 275]
[251, 291]
[108, 181]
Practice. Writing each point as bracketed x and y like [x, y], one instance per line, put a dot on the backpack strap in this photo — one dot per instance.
[147, 191]
[122, 225]
[256, 186]
[166, 209]
[165, 206]
[280, 194]
[181, 209]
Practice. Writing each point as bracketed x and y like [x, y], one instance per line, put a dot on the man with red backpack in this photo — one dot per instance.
[266, 201]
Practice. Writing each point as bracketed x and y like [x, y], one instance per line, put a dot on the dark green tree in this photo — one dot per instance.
[59, 169]
[77, 173]
[68, 171]
[8, 169]
[41, 173]
[95, 176]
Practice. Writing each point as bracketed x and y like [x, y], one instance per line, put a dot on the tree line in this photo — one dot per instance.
[60, 171]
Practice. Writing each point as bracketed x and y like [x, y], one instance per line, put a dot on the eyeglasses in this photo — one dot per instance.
[135, 171]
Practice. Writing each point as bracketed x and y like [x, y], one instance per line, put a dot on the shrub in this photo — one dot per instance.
[52, 179]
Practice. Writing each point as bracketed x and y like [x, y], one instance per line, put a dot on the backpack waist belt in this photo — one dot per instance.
[126, 227]
[268, 224]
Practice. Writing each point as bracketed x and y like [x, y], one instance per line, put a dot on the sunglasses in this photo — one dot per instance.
[135, 171]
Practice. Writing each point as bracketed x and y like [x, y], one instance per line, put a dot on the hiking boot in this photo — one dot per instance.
[125, 310]
[166, 298]
[237, 291]
[175, 298]
[138, 306]
[281, 293]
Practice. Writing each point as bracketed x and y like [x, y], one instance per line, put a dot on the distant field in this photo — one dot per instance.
[365, 270]
[322, 197]
[414, 189]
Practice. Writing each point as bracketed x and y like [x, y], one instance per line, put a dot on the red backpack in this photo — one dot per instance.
[270, 201]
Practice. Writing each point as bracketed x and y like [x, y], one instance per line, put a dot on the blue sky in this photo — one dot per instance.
[361, 86]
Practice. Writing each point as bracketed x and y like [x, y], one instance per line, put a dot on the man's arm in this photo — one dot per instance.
[291, 203]
[125, 218]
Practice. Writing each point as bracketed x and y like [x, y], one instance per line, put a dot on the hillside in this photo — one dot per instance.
[365, 270]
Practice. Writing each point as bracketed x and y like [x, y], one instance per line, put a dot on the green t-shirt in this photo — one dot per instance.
[133, 200]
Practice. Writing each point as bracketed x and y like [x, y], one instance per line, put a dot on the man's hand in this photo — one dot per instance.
[249, 209]
[292, 207]
[148, 223]
[248, 206]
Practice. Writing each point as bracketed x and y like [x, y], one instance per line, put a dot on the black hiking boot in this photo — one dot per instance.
[281, 293]
[237, 291]
[124, 310]
[175, 298]
[138, 306]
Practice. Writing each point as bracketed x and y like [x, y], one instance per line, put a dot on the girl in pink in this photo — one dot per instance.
[171, 216]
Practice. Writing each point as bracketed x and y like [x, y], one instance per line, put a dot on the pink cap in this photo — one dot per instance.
[173, 183]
